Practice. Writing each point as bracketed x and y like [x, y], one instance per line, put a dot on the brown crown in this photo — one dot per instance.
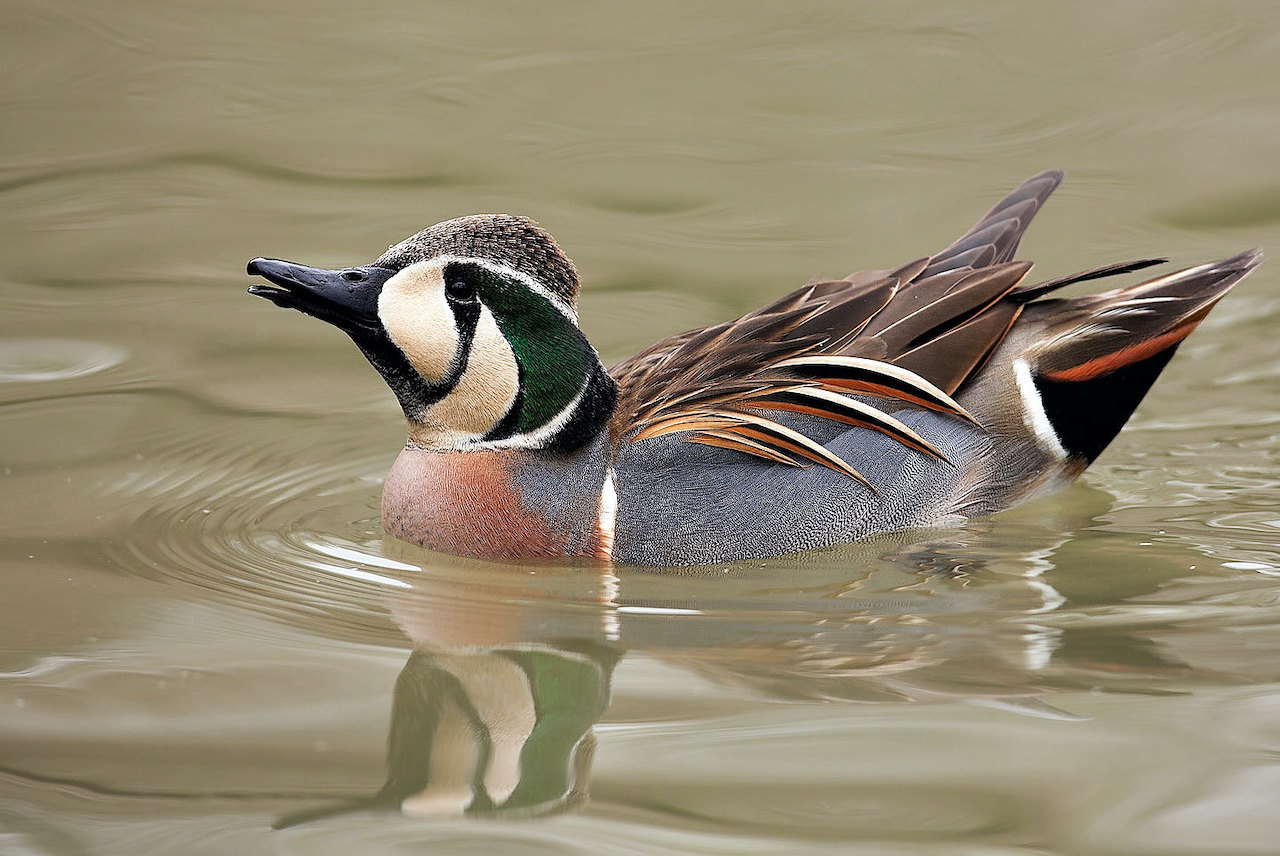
[516, 242]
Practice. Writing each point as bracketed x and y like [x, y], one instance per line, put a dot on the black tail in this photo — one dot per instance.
[1097, 356]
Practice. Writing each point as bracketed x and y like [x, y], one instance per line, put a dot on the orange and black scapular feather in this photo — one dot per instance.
[913, 336]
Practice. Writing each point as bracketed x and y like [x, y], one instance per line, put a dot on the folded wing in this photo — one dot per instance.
[908, 337]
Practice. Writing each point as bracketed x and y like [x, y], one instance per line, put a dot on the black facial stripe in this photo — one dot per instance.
[415, 393]
[466, 317]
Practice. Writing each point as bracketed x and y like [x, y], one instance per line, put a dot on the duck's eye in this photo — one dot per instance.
[459, 290]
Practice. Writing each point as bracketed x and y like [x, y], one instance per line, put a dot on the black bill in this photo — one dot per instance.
[346, 298]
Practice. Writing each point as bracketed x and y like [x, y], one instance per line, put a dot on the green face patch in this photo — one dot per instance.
[555, 359]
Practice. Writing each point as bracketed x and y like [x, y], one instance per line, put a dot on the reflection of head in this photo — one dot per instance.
[491, 731]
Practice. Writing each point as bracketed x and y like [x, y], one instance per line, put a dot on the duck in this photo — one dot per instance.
[919, 396]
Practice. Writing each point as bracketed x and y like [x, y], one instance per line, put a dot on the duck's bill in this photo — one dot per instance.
[346, 298]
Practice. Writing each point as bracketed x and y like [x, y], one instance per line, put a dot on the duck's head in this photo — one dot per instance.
[472, 323]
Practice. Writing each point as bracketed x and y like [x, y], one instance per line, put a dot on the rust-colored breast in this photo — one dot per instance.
[467, 503]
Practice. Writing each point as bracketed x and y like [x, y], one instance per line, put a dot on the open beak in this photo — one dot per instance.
[347, 298]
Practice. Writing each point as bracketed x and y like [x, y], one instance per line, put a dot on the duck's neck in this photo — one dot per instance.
[503, 503]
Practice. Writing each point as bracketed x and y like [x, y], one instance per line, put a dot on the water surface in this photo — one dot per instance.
[206, 646]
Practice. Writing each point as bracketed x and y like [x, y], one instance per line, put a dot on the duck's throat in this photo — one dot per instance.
[500, 503]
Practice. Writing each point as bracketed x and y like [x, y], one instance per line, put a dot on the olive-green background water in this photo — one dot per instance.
[203, 635]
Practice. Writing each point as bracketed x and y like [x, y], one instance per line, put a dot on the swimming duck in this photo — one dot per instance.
[939, 390]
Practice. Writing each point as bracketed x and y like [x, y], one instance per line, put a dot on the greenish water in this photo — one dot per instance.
[205, 644]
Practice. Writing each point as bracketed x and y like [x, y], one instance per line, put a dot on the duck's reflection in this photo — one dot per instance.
[497, 731]
[511, 669]
[490, 731]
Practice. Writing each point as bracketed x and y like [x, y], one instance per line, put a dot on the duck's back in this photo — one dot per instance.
[889, 399]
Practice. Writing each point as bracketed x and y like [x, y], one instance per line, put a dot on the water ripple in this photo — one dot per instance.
[36, 360]
[255, 527]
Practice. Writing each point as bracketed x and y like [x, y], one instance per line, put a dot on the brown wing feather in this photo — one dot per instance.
[911, 336]
[954, 356]
[1002, 227]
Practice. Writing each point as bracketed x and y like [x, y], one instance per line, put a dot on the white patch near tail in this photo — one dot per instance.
[1033, 411]
[608, 516]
